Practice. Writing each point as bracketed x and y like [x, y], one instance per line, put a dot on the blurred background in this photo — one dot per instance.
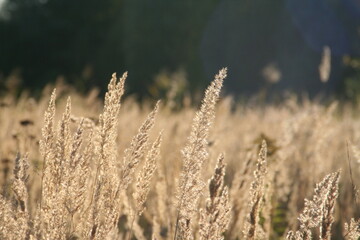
[175, 47]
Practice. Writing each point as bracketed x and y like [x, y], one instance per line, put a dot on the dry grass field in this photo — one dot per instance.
[81, 168]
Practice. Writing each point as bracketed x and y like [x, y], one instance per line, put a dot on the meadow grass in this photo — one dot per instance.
[74, 167]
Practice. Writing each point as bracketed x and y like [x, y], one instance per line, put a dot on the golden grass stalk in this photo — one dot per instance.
[103, 213]
[47, 144]
[9, 224]
[21, 216]
[143, 182]
[352, 230]
[55, 145]
[63, 144]
[146, 174]
[194, 155]
[251, 229]
[319, 210]
[15, 217]
[19, 184]
[328, 206]
[215, 218]
[77, 175]
[136, 150]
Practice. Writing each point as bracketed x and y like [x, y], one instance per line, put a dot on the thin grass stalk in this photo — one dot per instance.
[257, 191]
[194, 155]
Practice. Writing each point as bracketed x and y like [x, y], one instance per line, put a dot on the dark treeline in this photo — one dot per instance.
[86, 41]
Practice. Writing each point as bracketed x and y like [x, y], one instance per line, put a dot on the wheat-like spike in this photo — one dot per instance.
[15, 218]
[103, 212]
[318, 211]
[62, 147]
[108, 124]
[86, 210]
[146, 174]
[76, 179]
[9, 225]
[327, 218]
[251, 230]
[48, 132]
[47, 143]
[185, 229]
[48, 227]
[194, 155]
[53, 212]
[144, 179]
[215, 218]
[136, 149]
[131, 160]
[19, 184]
[352, 230]
[22, 197]
[295, 235]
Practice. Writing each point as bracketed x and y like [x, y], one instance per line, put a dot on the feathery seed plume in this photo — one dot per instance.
[252, 231]
[136, 149]
[215, 218]
[103, 211]
[146, 174]
[318, 211]
[352, 230]
[194, 155]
